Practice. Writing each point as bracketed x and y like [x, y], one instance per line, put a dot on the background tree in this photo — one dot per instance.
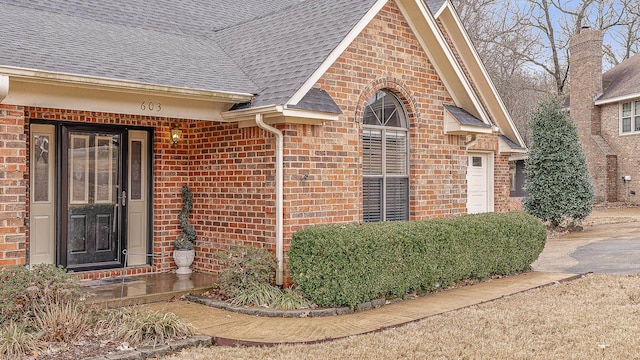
[523, 44]
[558, 182]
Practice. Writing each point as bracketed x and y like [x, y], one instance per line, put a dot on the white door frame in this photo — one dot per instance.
[42, 194]
[488, 157]
[43, 198]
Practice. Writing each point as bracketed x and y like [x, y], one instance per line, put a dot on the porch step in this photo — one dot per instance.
[144, 289]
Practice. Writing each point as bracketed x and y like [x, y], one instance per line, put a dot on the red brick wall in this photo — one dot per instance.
[12, 186]
[385, 57]
[232, 179]
[501, 183]
[323, 170]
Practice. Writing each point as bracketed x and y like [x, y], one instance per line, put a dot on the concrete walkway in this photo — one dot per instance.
[229, 328]
[609, 244]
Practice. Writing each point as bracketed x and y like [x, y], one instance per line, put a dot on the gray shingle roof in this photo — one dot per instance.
[281, 51]
[512, 144]
[434, 5]
[318, 100]
[264, 47]
[36, 39]
[622, 79]
[464, 117]
[195, 17]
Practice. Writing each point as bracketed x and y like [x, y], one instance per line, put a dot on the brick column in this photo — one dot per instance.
[12, 186]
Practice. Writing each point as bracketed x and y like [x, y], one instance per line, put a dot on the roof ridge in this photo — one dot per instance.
[258, 17]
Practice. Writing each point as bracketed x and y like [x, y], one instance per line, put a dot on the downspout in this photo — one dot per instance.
[279, 196]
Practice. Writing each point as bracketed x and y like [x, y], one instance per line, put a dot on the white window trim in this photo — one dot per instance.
[384, 176]
[632, 117]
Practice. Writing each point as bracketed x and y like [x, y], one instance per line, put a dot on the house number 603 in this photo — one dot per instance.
[151, 106]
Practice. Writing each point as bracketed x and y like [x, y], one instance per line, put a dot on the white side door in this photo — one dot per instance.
[479, 191]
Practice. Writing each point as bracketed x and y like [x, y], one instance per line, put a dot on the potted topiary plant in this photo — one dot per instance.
[184, 253]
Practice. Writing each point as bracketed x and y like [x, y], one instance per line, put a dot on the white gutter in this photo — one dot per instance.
[135, 86]
[616, 99]
[279, 196]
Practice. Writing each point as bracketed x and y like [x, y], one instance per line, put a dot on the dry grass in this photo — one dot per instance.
[596, 317]
[141, 326]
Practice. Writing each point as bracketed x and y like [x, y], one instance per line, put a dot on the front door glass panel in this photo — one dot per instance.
[93, 213]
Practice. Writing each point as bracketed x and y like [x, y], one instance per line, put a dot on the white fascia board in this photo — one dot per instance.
[250, 113]
[283, 113]
[309, 114]
[519, 156]
[617, 99]
[337, 52]
[458, 129]
[476, 57]
[82, 81]
[444, 47]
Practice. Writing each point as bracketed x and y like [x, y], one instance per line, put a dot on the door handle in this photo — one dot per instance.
[123, 198]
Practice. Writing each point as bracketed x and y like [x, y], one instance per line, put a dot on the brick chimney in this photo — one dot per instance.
[585, 76]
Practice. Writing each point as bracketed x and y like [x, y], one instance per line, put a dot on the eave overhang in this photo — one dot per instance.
[28, 87]
[477, 72]
[617, 99]
[433, 42]
[507, 147]
[465, 125]
[278, 114]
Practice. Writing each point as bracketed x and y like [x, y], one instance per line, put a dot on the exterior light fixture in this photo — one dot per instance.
[176, 135]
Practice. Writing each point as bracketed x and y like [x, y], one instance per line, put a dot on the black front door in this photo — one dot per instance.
[93, 197]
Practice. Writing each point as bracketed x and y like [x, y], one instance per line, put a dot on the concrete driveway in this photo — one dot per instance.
[609, 244]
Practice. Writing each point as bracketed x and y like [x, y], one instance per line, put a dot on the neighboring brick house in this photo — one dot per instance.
[606, 110]
[286, 113]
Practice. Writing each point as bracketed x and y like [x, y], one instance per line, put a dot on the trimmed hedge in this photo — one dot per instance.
[351, 264]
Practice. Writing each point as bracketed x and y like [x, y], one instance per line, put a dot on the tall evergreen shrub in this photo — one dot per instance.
[558, 183]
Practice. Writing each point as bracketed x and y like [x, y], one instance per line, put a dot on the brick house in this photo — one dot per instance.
[606, 110]
[278, 114]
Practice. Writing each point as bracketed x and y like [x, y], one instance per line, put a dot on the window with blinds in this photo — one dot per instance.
[385, 161]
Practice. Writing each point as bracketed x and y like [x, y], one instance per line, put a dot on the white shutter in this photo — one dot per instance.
[372, 151]
[396, 152]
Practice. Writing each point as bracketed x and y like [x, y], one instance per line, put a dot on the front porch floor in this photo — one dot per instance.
[147, 288]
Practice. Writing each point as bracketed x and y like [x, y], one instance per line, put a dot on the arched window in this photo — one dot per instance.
[385, 159]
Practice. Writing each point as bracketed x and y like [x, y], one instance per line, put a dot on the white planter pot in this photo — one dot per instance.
[183, 259]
